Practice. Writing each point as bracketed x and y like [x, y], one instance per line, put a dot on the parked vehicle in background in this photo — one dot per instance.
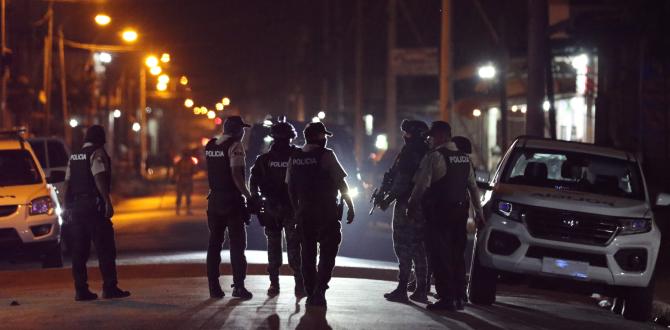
[30, 222]
[53, 156]
[570, 213]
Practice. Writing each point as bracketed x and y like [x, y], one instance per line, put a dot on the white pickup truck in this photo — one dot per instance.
[572, 213]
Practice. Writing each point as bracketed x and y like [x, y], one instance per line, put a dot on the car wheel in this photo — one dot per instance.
[53, 258]
[483, 284]
[638, 303]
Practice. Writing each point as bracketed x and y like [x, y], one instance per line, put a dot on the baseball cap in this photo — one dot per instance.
[315, 128]
[439, 126]
[234, 123]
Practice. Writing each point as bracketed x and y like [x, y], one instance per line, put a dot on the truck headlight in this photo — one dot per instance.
[42, 205]
[507, 210]
[634, 226]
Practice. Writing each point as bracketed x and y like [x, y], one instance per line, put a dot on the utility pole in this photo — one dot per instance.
[48, 50]
[537, 53]
[502, 80]
[5, 69]
[142, 116]
[358, 97]
[445, 61]
[391, 97]
[63, 87]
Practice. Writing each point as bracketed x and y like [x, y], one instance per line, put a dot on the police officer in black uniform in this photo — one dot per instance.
[408, 231]
[314, 178]
[226, 208]
[267, 183]
[89, 209]
[444, 187]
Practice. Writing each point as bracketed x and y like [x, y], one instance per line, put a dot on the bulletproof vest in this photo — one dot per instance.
[316, 190]
[407, 164]
[81, 177]
[219, 173]
[275, 163]
[452, 188]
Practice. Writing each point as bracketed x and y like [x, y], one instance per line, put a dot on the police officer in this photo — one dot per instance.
[89, 207]
[184, 171]
[444, 187]
[408, 231]
[314, 178]
[267, 183]
[226, 207]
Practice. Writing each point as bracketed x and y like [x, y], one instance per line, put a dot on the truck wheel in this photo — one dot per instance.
[638, 303]
[53, 258]
[483, 284]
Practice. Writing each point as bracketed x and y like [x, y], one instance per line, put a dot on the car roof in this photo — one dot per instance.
[12, 144]
[534, 142]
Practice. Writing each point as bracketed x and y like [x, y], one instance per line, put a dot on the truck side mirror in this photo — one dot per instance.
[482, 178]
[663, 199]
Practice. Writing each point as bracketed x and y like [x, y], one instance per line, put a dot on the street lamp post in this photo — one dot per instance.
[489, 72]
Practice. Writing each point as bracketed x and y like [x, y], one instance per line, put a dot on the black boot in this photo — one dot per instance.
[114, 292]
[317, 299]
[447, 305]
[399, 294]
[241, 292]
[273, 290]
[299, 287]
[215, 290]
[85, 295]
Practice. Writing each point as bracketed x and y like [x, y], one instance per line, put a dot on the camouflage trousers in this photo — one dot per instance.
[408, 243]
[275, 257]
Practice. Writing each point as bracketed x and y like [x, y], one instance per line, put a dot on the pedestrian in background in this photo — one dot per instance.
[183, 177]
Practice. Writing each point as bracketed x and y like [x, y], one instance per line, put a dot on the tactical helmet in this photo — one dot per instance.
[414, 127]
[283, 130]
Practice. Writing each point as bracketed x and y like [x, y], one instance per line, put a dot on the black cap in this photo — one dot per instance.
[313, 129]
[95, 134]
[439, 126]
[234, 123]
[283, 130]
[413, 126]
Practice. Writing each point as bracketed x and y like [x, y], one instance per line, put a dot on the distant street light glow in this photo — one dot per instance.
[219, 106]
[129, 35]
[163, 79]
[165, 58]
[546, 106]
[151, 61]
[196, 110]
[487, 71]
[183, 80]
[315, 119]
[476, 112]
[117, 113]
[161, 87]
[155, 70]
[382, 142]
[211, 114]
[321, 115]
[74, 123]
[188, 103]
[136, 127]
[105, 57]
[225, 101]
[369, 124]
[102, 19]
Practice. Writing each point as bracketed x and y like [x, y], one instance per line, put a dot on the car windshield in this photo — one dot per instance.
[18, 168]
[574, 171]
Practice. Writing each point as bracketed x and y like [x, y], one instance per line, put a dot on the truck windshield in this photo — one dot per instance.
[17, 168]
[575, 171]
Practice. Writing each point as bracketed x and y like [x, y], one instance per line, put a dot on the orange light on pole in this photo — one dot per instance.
[102, 19]
[225, 101]
[165, 58]
[161, 87]
[129, 35]
[183, 80]
[155, 70]
[151, 61]
[163, 79]
[219, 106]
[188, 103]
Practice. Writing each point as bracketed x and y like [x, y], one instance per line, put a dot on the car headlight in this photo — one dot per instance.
[507, 210]
[634, 226]
[42, 205]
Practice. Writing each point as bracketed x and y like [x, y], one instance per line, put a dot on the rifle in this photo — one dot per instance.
[380, 194]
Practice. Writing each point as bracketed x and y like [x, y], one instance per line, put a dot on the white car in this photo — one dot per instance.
[30, 224]
[570, 213]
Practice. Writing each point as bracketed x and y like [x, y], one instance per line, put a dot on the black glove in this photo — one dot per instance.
[254, 204]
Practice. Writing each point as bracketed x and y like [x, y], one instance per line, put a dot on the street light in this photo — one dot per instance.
[161, 87]
[105, 57]
[225, 101]
[188, 103]
[165, 58]
[129, 35]
[151, 61]
[183, 80]
[219, 106]
[102, 19]
[74, 123]
[136, 127]
[321, 115]
[476, 112]
[487, 71]
[211, 114]
[117, 113]
[155, 70]
[163, 79]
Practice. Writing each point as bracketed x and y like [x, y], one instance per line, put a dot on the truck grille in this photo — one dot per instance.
[6, 210]
[573, 227]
